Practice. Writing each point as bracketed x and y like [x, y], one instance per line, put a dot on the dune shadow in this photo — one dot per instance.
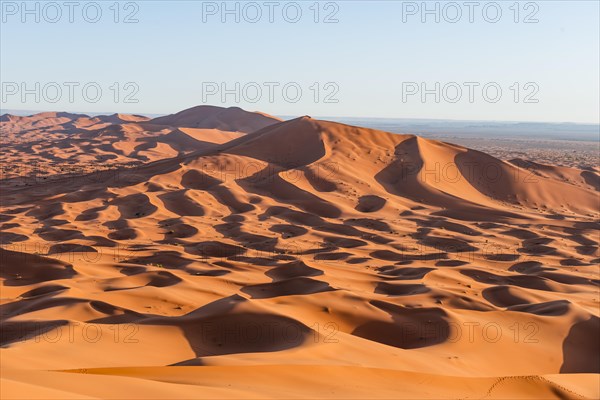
[18, 331]
[20, 269]
[411, 328]
[226, 326]
[400, 289]
[581, 348]
[407, 273]
[524, 281]
[370, 203]
[287, 287]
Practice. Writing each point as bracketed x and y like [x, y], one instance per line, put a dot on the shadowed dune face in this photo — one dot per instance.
[581, 348]
[20, 269]
[405, 329]
[225, 239]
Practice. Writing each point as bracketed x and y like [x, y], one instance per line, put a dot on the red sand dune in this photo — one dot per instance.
[210, 117]
[47, 145]
[304, 259]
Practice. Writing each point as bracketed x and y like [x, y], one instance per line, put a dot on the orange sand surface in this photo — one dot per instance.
[219, 253]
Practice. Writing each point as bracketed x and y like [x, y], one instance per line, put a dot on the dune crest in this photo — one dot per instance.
[211, 117]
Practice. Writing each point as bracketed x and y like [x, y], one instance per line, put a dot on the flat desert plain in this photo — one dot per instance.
[219, 253]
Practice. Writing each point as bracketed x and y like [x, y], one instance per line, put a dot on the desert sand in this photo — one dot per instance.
[219, 253]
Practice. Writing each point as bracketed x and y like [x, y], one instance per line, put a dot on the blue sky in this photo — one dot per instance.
[375, 61]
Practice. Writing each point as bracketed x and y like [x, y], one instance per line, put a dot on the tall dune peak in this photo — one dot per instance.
[232, 119]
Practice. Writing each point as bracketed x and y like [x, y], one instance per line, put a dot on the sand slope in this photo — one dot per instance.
[49, 145]
[307, 259]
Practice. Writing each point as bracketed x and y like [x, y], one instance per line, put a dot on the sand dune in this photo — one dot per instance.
[225, 119]
[234, 256]
[64, 144]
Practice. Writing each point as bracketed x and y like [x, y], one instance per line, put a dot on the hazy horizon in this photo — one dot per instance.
[23, 112]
